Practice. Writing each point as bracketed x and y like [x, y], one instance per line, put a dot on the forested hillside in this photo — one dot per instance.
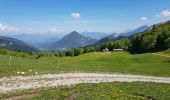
[156, 39]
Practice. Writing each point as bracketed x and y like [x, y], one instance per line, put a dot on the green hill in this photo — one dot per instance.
[155, 39]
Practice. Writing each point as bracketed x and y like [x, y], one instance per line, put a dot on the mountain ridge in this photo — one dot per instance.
[95, 35]
[135, 31]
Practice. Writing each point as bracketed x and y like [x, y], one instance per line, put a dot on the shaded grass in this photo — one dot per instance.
[117, 62]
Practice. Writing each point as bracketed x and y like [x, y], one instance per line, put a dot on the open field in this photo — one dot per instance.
[121, 62]
[117, 62]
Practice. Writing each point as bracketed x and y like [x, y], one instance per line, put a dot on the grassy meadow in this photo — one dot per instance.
[101, 91]
[116, 62]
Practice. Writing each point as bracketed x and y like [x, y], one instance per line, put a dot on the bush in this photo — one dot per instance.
[78, 51]
[3, 51]
[89, 49]
[62, 54]
[70, 52]
[56, 54]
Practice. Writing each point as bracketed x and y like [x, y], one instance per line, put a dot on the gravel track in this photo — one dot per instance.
[160, 55]
[14, 83]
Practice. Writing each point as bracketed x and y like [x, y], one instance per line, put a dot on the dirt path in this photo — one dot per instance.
[14, 83]
[161, 55]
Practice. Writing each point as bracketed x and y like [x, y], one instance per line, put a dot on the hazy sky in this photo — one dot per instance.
[38, 16]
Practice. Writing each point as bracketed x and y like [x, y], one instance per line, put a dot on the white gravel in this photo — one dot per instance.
[161, 55]
[14, 83]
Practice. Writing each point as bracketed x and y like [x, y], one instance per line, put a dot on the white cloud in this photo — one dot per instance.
[165, 13]
[7, 28]
[75, 15]
[144, 18]
[54, 30]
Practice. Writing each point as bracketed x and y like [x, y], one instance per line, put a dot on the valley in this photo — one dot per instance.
[84, 50]
[77, 60]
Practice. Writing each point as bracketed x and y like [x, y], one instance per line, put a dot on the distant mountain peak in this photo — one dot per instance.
[72, 40]
[108, 38]
[114, 35]
[135, 31]
[143, 27]
[74, 33]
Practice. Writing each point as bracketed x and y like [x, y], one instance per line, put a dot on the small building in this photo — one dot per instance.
[106, 50]
[118, 50]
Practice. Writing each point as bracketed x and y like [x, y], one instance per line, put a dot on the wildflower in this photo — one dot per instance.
[164, 91]
[18, 72]
[36, 73]
[22, 73]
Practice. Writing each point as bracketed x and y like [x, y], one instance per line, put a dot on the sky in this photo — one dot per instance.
[62, 16]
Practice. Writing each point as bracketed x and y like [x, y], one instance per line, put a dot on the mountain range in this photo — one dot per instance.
[116, 36]
[53, 42]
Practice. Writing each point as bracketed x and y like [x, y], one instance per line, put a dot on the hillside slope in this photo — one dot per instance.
[16, 45]
[155, 39]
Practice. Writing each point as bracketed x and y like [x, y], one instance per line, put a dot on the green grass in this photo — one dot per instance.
[101, 91]
[120, 62]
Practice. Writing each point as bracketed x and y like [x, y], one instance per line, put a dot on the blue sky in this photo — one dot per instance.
[61, 16]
